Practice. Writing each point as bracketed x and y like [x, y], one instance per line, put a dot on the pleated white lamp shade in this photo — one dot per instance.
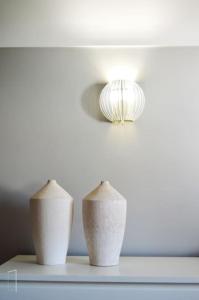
[122, 100]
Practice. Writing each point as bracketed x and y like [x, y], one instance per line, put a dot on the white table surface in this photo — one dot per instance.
[130, 270]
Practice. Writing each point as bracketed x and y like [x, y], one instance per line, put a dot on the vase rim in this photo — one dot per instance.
[51, 181]
[105, 182]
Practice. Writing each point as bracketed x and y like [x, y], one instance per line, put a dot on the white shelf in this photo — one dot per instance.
[131, 270]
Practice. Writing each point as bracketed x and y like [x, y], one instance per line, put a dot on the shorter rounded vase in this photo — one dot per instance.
[104, 219]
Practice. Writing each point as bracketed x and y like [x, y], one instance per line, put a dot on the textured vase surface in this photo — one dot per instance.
[51, 215]
[104, 219]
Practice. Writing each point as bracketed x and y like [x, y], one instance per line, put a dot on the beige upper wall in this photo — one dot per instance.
[60, 23]
[51, 127]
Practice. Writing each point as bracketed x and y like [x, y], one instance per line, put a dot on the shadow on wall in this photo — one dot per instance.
[90, 102]
[15, 229]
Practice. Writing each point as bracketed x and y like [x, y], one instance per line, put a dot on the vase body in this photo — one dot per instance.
[104, 219]
[51, 215]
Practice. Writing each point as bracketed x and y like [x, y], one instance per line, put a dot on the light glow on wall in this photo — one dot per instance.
[118, 72]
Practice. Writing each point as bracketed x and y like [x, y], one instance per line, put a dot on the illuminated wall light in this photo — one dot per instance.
[121, 101]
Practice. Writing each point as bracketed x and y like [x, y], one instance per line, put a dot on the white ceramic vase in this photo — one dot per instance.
[51, 215]
[104, 219]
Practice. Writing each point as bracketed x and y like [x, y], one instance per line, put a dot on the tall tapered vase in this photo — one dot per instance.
[51, 215]
[104, 219]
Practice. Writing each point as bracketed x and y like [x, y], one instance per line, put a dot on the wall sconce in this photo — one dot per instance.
[121, 101]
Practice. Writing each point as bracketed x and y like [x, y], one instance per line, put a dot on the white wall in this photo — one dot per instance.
[61, 23]
[51, 127]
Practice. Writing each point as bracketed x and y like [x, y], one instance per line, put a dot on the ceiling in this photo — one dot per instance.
[64, 23]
